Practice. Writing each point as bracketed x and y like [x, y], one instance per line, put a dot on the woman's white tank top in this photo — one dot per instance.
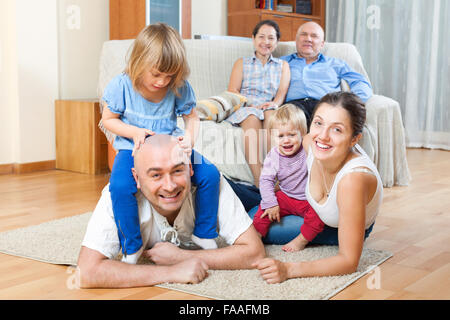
[329, 211]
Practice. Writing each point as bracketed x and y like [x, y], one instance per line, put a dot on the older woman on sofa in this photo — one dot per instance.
[344, 188]
[264, 81]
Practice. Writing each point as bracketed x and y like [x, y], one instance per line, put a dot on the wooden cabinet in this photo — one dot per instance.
[128, 17]
[243, 15]
[80, 145]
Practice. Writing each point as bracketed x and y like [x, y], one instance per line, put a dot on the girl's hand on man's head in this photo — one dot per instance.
[139, 138]
[185, 144]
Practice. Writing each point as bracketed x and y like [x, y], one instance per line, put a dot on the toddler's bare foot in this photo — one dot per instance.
[297, 244]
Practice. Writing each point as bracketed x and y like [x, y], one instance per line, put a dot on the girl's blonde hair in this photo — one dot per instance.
[158, 46]
[289, 113]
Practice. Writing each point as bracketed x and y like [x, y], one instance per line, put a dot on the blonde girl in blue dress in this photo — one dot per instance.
[145, 100]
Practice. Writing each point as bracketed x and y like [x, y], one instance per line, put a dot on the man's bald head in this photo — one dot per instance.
[311, 25]
[162, 144]
[309, 41]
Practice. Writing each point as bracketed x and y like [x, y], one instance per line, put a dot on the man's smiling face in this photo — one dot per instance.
[163, 174]
[309, 40]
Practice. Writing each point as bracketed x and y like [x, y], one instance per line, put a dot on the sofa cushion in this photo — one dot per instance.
[217, 108]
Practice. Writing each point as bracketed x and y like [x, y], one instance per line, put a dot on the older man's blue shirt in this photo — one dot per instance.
[323, 76]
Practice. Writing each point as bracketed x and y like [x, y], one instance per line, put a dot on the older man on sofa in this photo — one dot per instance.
[313, 74]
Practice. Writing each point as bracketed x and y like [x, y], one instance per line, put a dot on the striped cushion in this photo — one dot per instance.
[217, 108]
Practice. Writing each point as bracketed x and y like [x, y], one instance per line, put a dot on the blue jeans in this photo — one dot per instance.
[126, 215]
[249, 195]
[289, 228]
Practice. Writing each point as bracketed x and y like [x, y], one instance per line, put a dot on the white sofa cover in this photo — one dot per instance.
[211, 62]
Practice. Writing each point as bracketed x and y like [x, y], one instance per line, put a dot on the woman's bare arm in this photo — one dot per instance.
[236, 77]
[284, 84]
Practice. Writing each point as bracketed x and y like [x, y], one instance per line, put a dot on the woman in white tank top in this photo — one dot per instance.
[344, 188]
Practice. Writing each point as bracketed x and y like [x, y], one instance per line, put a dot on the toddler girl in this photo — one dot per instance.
[144, 100]
[286, 163]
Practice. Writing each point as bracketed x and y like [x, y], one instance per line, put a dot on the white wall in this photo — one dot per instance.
[43, 57]
[83, 27]
[8, 83]
[209, 17]
[28, 79]
[49, 49]
[37, 73]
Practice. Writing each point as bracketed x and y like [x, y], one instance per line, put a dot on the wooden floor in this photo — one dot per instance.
[414, 225]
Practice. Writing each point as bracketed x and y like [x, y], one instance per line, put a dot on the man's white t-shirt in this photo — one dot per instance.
[101, 234]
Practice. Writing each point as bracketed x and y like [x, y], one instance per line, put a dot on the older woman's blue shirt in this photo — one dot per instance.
[134, 109]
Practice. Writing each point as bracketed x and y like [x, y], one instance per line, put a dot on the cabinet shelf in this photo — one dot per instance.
[243, 15]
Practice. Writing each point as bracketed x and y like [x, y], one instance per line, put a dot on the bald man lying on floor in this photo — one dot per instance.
[166, 211]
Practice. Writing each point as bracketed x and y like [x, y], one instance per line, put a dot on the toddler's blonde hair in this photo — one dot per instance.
[289, 113]
[158, 46]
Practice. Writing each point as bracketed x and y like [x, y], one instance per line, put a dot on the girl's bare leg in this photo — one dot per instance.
[252, 128]
[267, 115]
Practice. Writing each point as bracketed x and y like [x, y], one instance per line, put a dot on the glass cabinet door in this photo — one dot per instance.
[167, 11]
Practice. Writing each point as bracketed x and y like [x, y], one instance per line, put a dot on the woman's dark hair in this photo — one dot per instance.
[350, 102]
[271, 23]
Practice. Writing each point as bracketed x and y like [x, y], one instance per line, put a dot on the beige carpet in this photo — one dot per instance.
[58, 242]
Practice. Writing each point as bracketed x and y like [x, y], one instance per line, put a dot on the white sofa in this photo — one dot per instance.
[211, 62]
